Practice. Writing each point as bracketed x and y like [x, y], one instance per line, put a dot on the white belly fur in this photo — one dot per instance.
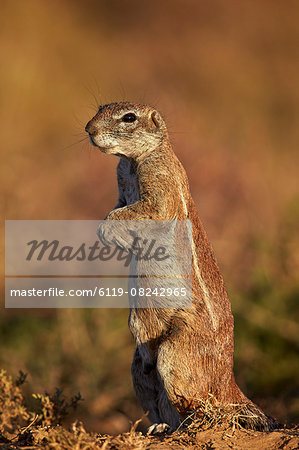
[127, 182]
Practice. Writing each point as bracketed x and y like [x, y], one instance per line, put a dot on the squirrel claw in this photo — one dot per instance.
[158, 428]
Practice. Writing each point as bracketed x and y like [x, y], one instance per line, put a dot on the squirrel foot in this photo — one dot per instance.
[158, 428]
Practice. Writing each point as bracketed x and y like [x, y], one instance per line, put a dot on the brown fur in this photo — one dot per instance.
[185, 355]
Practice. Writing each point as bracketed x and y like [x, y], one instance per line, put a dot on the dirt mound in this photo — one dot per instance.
[40, 427]
[76, 437]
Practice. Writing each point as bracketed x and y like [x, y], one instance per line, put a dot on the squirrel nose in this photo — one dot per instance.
[91, 129]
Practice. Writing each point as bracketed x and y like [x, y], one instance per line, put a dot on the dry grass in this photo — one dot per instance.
[211, 414]
[23, 429]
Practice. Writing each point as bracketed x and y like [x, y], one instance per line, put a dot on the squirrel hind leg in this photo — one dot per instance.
[145, 386]
[167, 411]
[153, 398]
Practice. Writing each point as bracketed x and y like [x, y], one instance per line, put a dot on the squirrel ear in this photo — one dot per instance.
[157, 119]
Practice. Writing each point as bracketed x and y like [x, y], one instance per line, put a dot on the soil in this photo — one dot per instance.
[60, 438]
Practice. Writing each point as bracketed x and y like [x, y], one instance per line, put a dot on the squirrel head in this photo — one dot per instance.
[127, 130]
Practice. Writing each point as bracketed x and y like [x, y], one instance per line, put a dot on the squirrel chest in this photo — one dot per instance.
[127, 182]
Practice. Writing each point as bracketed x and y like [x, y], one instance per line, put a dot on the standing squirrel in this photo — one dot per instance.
[184, 357]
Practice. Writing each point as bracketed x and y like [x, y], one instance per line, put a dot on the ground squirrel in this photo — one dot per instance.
[186, 355]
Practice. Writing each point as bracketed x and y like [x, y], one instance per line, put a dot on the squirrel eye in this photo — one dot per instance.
[129, 117]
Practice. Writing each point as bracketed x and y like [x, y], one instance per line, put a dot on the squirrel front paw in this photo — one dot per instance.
[115, 233]
[104, 235]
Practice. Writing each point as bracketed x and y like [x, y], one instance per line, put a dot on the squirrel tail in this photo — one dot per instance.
[252, 417]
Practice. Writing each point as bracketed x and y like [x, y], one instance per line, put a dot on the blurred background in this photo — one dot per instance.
[224, 74]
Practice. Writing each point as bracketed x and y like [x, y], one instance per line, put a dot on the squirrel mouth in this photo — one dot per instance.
[101, 147]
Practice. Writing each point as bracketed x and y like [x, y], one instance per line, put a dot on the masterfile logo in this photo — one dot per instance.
[56, 263]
